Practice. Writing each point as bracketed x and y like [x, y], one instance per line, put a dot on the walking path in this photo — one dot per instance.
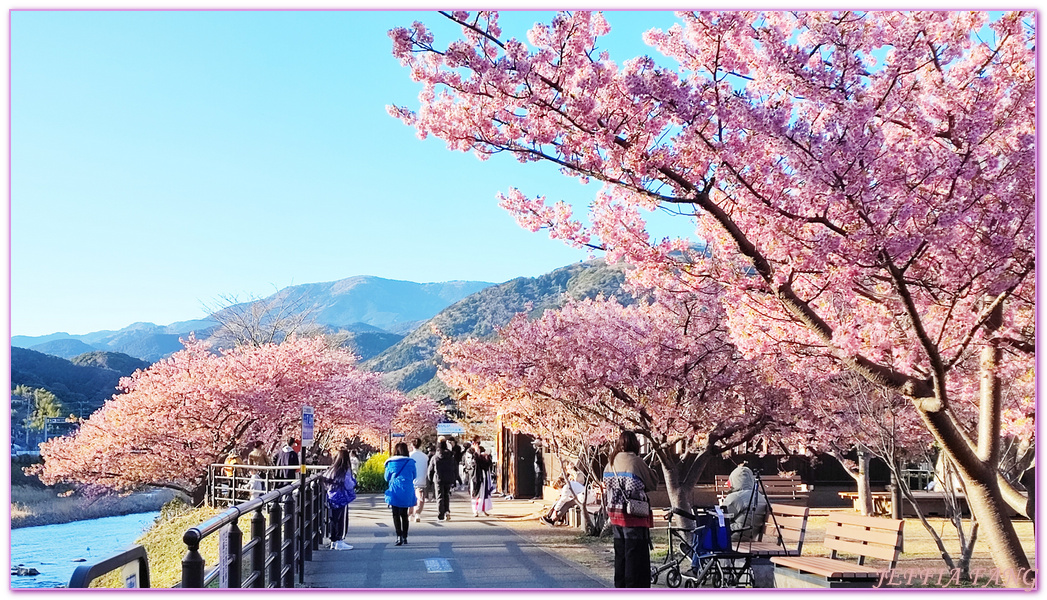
[464, 552]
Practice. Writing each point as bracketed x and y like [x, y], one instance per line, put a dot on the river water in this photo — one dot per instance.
[51, 549]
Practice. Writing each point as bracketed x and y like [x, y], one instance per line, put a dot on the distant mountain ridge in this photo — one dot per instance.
[384, 308]
[411, 364]
[83, 383]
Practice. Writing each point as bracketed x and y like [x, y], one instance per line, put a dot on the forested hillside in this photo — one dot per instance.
[411, 364]
[89, 379]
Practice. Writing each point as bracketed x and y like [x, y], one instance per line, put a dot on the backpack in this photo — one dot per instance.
[341, 493]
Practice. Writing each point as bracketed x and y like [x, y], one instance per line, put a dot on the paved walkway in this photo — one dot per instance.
[465, 552]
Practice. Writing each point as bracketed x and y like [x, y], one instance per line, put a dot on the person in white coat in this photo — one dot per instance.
[570, 495]
[421, 463]
[745, 504]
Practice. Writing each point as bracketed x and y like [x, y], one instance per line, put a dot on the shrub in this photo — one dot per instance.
[371, 477]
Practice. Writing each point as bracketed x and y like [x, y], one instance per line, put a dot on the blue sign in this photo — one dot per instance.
[307, 426]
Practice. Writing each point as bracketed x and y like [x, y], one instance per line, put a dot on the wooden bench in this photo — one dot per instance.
[780, 488]
[848, 534]
[785, 539]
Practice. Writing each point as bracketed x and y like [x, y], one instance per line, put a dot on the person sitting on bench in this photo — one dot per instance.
[745, 504]
[566, 500]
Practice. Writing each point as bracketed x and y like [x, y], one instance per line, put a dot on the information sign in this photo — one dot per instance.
[307, 426]
[449, 429]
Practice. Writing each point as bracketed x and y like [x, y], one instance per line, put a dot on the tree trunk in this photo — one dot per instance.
[681, 475]
[861, 478]
[989, 509]
[865, 498]
[896, 494]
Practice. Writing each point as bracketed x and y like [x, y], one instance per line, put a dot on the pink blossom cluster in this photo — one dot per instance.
[189, 410]
[861, 183]
[666, 369]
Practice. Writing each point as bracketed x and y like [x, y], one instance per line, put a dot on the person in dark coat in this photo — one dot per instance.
[444, 472]
[458, 453]
[286, 457]
[480, 486]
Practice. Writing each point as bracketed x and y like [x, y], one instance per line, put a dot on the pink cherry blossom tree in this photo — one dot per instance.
[863, 182]
[188, 411]
[666, 371]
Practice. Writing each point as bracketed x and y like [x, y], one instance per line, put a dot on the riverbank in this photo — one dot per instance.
[32, 506]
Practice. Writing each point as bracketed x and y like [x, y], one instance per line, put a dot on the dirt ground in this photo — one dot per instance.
[920, 554]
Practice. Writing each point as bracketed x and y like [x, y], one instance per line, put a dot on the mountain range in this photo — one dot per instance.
[388, 324]
[411, 364]
[373, 312]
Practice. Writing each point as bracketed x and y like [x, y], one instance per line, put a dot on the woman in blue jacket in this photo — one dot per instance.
[399, 494]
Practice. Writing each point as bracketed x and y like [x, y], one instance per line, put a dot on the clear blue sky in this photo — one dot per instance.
[162, 159]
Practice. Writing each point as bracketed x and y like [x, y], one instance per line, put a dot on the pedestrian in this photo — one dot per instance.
[341, 490]
[539, 469]
[570, 496]
[457, 453]
[229, 472]
[258, 458]
[627, 480]
[323, 457]
[480, 486]
[468, 463]
[421, 468]
[443, 472]
[399, 494]
[287, 456]
[430, 485]
[354, 463]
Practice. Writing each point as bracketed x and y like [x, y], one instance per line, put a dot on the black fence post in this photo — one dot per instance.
[236, 555]
[320, 510]
[290, 523]
[276, 541]
[193, 562]
[308, 526]
[258, 551]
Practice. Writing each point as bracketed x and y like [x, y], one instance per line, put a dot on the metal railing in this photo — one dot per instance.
[85, 574]
[275, 552]
[277, 549]
[228, 485]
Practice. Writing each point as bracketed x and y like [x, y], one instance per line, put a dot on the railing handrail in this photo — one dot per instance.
[297, 521]
[245, 466]
[236, 511]
[85, 574]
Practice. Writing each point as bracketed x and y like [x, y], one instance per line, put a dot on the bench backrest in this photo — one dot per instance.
[777, 486]
[787, 522]
[864, 536]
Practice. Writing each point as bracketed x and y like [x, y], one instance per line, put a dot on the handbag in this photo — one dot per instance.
[634, 506]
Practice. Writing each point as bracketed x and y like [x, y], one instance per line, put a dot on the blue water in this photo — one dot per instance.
[51, 549]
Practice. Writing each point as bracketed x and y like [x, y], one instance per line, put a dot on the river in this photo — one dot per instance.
[51, 549]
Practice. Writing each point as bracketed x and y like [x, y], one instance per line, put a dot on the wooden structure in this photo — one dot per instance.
[932, 504]
[783, 532]
[786, 489]
[849, 534]
[516, 472]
